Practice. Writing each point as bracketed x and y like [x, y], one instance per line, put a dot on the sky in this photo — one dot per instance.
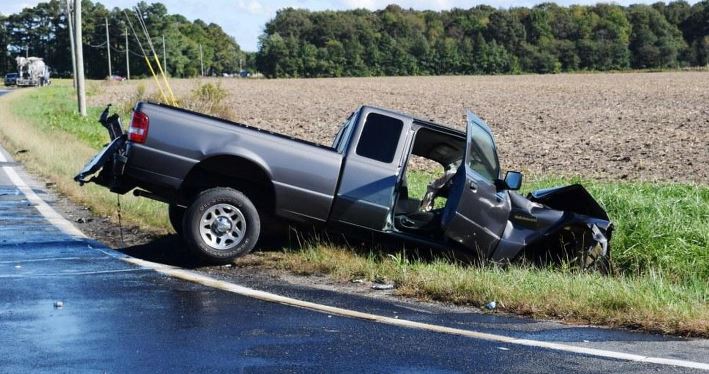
[245, 19]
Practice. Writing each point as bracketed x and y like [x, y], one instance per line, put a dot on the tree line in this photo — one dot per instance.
[42, 31]
[546, 38]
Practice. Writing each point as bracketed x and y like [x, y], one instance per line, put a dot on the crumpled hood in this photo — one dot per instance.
[573, 198]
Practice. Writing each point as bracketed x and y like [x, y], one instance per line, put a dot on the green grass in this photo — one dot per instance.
[647, 302]
[660, 252]
[660, 247]
[58, 142]
[54, 109]
[661, 228]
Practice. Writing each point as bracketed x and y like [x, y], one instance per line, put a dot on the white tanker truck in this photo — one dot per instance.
[32, 72]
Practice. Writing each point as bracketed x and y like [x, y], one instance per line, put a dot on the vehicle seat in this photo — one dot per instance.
[419, 222]
[454, 196]
[407, 206]
[404, 204]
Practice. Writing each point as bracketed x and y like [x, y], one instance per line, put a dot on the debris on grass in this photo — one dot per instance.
[382, 286]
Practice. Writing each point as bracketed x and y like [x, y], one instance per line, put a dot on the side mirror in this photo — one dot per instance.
[513, 181]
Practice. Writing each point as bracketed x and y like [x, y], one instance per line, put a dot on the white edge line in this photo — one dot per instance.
[54, 275]
[68, 228]
[48, 259]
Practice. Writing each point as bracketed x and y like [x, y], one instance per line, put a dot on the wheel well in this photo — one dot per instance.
[559, 246]
[230, 171]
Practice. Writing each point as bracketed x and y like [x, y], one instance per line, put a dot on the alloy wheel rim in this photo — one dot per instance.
[222, 226]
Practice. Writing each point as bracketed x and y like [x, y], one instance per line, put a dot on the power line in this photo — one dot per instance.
[145, 55]
[152, 49]
[95, 46]
[114, 49]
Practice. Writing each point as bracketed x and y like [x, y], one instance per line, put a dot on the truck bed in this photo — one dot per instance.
[304, 175]
[242, 125]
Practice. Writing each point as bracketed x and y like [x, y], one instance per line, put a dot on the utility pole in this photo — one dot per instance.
[27, 51]
[201, 60]
[127, 57]
[164, 59]
[79, 51]
[70, 23]
[108, 48]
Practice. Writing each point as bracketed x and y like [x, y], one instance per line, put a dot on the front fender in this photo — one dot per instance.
[536, 220]
[573, 198]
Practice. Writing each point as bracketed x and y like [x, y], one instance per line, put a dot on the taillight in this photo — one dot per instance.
[138, 130]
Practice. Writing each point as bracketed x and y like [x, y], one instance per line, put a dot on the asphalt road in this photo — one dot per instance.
[118, 317]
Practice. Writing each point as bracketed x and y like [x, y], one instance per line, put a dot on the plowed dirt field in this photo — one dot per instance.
[639, 126]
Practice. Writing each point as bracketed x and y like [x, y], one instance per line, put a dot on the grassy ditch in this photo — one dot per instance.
[42, 130]
[660, 247]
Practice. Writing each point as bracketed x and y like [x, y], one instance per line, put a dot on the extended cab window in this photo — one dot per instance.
[380, 137]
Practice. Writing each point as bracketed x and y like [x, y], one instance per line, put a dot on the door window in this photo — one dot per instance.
[482, 157]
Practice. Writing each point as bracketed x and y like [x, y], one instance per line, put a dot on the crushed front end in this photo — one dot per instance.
[564, 224]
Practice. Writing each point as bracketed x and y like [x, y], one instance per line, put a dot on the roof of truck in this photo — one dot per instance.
[416, 119]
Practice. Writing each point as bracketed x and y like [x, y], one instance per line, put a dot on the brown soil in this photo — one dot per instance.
[639, 126]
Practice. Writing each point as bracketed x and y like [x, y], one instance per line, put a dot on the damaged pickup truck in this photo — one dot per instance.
[223, 181]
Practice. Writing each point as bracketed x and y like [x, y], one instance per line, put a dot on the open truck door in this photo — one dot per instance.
[476, 211]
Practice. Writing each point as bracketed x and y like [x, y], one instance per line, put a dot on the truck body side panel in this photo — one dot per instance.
[304, 176]
[367, 186]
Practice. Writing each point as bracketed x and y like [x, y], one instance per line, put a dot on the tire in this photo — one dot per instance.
[587, 255]
[220, 225]
[176, 214]
[601, 264]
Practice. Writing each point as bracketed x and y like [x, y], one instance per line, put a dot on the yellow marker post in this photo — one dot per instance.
[157, 81]
[164, 78]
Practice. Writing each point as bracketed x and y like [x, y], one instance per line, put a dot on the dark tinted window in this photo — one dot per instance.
[380, 137]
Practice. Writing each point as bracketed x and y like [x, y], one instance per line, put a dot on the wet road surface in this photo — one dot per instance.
[117, 317]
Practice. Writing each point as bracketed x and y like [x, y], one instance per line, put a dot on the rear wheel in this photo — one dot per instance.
[221, 224]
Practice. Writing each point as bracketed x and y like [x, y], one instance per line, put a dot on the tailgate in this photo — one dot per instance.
[107, 167]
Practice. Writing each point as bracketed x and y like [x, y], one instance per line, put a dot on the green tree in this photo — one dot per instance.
[272, 51]
[695, 29]
[5, 65]
[654, 42]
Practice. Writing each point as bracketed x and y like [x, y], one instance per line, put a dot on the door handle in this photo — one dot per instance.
[473, 187]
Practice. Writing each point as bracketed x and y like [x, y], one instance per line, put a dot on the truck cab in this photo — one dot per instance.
[11, 79]
[466, 205]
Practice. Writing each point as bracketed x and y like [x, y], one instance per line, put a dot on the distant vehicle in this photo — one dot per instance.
[223, 180]
[32, 72]
[11, 79]
[116, 78]
[244, 74]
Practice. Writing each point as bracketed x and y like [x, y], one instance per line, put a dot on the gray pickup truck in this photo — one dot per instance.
[223, 180]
